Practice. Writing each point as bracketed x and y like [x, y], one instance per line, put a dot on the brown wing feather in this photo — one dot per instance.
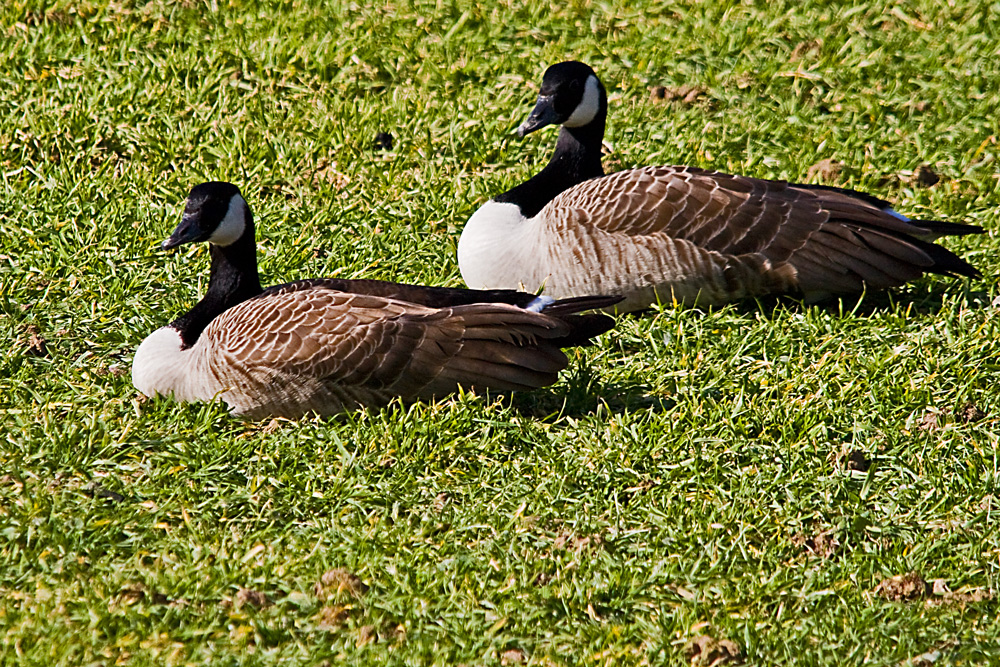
[306, 347]
[819, 233]
[717, 212]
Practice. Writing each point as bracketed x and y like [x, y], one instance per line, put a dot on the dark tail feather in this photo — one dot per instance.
[585, 327]
[945, 261]
[578, 304]
[871, 200]
[940, 228]
[931, 226]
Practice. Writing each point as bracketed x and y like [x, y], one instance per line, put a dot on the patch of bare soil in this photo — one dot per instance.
[925, 176]
[850, 459]
[969, 413]
[903, 588]
[95, 490]
[577, 542]
[706, 651]
[383, 141]
[823, 544]
[931, 421]
[803, 49]
[35, 346]
[937, 418]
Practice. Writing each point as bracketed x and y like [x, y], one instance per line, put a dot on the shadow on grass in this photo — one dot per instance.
[584, 393]
[868, 304]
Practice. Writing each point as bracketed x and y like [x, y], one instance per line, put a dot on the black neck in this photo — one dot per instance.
[233, 280]
[577, 158]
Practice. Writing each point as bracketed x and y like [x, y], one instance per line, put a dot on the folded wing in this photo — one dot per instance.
[305, 347]
[835, 240]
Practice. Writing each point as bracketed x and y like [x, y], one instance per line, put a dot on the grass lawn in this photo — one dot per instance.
[750, 474]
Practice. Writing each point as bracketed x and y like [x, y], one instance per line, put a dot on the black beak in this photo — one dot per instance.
[543, 114]
[187, 231]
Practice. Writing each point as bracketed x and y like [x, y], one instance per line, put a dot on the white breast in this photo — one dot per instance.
[557, 253]
[499, 249]
[161, 367]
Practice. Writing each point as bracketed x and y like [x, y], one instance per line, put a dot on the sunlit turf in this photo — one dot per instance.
[690, 475]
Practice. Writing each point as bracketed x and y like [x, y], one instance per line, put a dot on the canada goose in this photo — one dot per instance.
[327, 345]
[680, 232]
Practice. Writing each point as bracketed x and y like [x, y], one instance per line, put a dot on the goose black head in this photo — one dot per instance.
[571, 96]
[215, 212]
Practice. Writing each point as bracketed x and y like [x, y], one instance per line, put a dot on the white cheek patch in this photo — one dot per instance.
[233, 225]
[588, 107]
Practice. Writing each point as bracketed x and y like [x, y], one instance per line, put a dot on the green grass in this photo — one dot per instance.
[666, 488]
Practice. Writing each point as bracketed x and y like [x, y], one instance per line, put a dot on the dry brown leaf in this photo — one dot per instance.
[825, 171]
[337, 581]
[332, 617]
[514, 656]
[931, 421]
[366, 635]
[685, 94]
[249, 597]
